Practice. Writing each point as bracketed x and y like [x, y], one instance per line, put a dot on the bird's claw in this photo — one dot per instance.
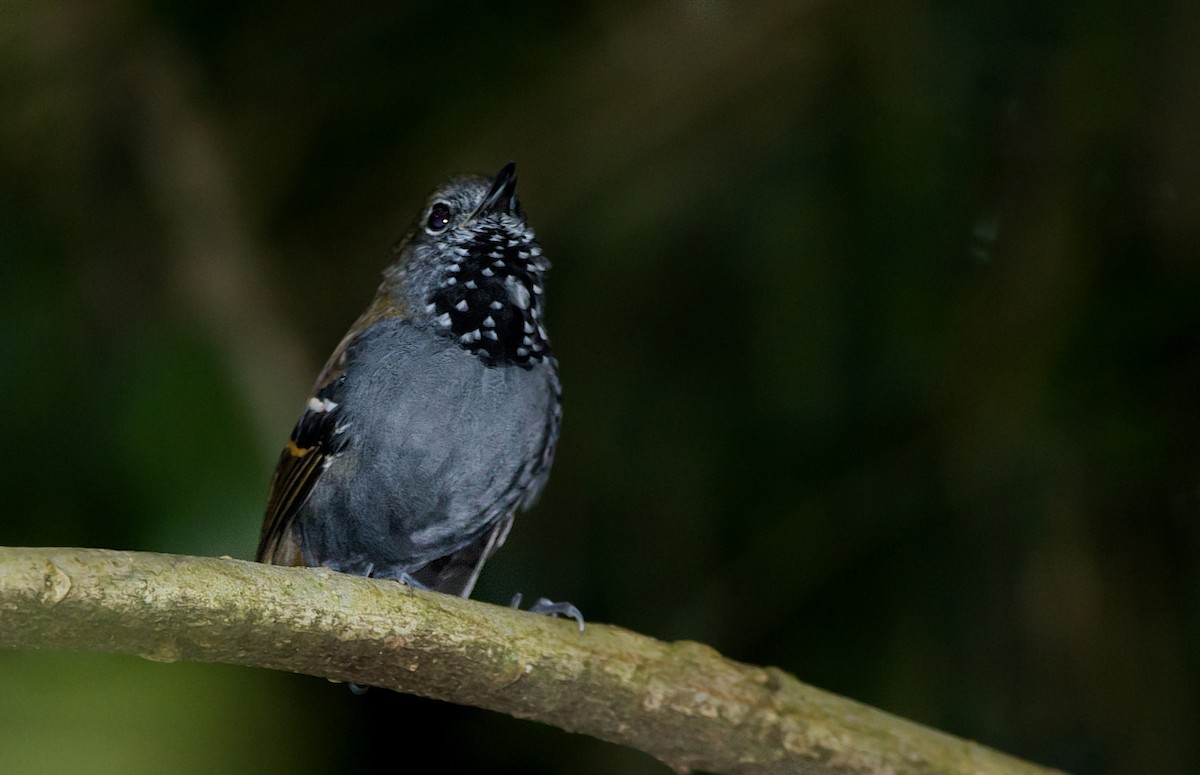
[407, 580]
[550, 608]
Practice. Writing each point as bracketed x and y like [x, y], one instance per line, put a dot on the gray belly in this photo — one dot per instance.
[441, 448]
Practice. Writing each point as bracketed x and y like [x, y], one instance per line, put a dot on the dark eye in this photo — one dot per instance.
[439, 217]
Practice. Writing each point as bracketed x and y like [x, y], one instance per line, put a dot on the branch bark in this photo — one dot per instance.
[682, 703]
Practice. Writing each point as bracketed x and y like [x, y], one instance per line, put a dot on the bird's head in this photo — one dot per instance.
[471, 268]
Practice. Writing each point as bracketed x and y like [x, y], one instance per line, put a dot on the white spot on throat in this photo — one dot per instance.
[443, 319]
[517, 292]
[488, 322]
[461, 306]
[321, 405]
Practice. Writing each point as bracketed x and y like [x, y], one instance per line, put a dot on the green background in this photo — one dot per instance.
[878, 324]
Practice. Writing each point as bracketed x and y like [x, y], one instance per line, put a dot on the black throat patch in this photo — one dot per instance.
[491, 298]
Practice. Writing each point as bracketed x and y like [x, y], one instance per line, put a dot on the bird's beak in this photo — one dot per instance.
[501, 197]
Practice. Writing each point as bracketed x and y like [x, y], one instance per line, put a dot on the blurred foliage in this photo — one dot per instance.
[879, 331]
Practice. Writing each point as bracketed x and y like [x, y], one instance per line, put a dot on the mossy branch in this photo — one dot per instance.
[682, 703]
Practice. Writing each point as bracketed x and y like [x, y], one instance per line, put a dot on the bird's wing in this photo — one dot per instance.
[317, 437]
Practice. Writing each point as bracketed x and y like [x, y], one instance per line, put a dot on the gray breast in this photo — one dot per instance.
[441, 447]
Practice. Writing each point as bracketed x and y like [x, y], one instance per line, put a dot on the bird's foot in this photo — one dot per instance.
[395, 574]
[550, 608]
[405, 578]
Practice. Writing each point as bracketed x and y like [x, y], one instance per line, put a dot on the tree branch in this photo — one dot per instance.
[682, 703]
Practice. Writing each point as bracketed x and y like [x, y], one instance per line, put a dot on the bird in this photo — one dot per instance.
[436, 418]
